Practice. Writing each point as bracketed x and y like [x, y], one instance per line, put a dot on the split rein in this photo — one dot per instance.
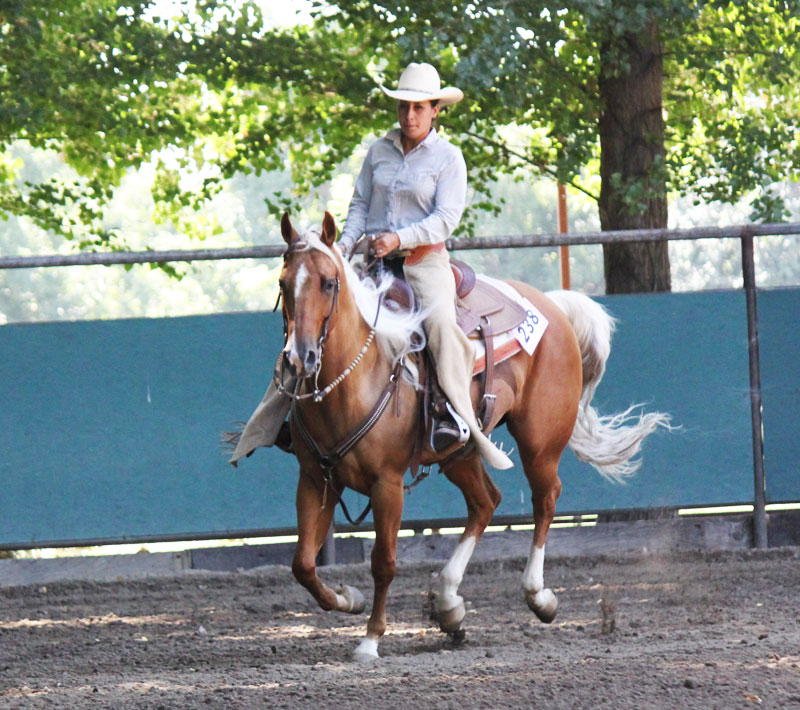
[319, 394]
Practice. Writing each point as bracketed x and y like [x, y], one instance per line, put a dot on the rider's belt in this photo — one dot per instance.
[414, 256]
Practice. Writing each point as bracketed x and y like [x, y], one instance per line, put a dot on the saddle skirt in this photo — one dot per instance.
[480, 298]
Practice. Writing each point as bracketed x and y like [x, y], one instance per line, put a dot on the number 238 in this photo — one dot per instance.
[527, 328]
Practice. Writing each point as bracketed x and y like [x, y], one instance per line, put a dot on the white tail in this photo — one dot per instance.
[610, 442]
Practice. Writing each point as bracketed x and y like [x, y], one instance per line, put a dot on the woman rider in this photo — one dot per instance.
[409, 198]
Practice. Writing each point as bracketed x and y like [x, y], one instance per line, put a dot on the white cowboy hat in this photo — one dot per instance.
[420, 82]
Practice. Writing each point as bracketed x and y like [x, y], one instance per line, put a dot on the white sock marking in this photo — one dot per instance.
[533, 577]
[368, 647]
[453, 572]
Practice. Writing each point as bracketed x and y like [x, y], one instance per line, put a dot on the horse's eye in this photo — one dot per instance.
[328, 285]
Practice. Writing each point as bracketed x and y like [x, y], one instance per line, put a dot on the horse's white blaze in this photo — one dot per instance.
[533, 577]
[291, 345]
[300, 281]
[453, 573]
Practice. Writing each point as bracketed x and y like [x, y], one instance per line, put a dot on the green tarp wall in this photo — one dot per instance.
[110, 430]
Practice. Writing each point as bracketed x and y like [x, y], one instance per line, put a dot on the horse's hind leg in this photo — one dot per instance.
[482, 498]
[313, 523]
[542, 474]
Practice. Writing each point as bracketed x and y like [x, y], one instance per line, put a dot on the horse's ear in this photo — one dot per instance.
[328, 229]
[287, 230]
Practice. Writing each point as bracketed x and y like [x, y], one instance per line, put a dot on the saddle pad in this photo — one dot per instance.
[505, 345]
[510, 342]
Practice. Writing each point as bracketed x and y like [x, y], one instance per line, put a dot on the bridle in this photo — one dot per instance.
[316, 394]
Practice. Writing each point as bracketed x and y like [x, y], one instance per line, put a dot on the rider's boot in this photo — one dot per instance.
[449, 430]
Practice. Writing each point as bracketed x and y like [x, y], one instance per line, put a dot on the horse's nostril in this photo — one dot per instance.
[311, 360]
[287, 363]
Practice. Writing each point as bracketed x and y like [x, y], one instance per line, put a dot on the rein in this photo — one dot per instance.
[328, 461]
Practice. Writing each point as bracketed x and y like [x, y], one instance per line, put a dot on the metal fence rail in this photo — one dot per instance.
[501, 242]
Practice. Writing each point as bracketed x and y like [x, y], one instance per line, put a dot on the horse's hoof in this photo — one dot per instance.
[354, 599]
[450, 620]
[458, 637]
[543, 603]
[367, 651]
[364, 658]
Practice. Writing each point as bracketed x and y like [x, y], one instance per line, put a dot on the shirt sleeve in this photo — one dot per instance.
[449, 201]
[356, 222]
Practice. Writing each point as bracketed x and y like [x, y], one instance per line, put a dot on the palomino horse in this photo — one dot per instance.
[543, 399]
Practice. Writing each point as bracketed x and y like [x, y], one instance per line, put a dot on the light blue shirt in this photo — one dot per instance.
[420, 195]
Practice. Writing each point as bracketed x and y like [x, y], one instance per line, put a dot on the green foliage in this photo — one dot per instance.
[730, 95]
[733, 104]
[212, 93]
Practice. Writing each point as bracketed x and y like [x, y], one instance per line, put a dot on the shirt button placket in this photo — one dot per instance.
[393, 198]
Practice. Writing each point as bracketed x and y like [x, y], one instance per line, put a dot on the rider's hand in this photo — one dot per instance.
[346, 248]
[383, 244]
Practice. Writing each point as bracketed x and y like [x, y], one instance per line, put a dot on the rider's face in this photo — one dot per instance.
[416, 118]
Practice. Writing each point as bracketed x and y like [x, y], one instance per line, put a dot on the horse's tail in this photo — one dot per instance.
[609, 443]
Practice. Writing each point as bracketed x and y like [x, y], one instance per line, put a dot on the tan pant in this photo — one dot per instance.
[265, 422]
[434, 285]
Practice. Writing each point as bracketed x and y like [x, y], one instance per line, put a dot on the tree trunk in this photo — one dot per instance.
[633, 190]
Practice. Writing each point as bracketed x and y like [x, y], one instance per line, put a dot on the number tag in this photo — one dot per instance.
[531, 330]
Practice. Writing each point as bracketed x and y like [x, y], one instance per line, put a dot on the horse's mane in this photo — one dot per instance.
[397, 334]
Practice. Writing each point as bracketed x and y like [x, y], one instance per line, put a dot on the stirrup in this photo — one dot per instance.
[447, 432]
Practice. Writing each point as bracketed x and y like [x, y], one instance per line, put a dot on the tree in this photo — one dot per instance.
[657, 97]
[652, 98]
[110, 87]
[631, 130]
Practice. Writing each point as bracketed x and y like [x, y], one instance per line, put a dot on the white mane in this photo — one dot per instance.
[397, 333]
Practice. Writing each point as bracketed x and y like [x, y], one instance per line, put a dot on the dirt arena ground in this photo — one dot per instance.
[695, 630]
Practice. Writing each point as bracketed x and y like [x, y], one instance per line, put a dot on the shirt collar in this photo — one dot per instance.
[395, 134]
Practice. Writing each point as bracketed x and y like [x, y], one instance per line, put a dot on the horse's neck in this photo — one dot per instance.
[352, 401]
[350, 346]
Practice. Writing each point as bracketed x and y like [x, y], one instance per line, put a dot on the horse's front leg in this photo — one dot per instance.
[313, 523]
[387, 509]
[482, 498]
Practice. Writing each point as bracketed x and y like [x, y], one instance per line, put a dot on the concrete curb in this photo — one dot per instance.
[100, 568]
[713, 533]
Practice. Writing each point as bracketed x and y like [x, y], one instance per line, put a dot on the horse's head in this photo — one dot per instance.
[309, 283]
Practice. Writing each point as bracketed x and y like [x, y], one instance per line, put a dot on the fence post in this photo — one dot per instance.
[759, 481]
[563, 228]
